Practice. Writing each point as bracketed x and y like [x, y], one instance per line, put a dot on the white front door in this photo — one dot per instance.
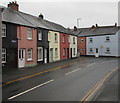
[45, 55]
[21, 58]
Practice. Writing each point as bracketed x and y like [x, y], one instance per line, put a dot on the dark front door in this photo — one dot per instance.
[68, 53]
[71, 52]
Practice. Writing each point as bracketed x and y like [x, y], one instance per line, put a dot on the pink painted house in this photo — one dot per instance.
[27, 46]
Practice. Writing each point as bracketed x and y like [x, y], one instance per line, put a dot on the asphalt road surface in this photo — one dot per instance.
[70, 83]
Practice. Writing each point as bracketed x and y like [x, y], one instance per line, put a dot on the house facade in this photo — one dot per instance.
[27, 46]
[54, 46]
[64, 46]
[42, 46]
[82, 46]
[104, 45]
[9, 45]
[73, 46]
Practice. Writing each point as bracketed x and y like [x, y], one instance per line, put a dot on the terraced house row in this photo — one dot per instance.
[28, 40]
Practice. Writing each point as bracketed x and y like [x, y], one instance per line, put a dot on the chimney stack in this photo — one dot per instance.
[75, 28]
[41, 16]
[96, 25]
[115, 24]
[13, 5]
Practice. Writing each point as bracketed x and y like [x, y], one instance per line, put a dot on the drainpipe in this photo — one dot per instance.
[1, 53]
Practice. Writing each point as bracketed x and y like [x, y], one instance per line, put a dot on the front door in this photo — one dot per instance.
[51, 54]
[67, 53]
[21, 58]
[45, 55]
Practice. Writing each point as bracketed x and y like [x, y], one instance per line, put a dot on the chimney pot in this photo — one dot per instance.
[13, 5]
[75, 28]
[41, 16]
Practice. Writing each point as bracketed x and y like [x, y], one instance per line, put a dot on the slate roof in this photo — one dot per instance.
[25, 19]
[100, 30]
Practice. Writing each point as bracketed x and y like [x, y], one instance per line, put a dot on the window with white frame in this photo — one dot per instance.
[107, 51]
[73, 40]
[3, 55]
[90, 40]
[90, 50]
[69, 40]
[82, 50]
[63, 38]
[73, 51]
[29, 34]
[56, 52]
[3, 30]
[64, 52]
[107, 39]
[40, 53]
[30, 50]
[56, 38]
[82, 40]
[39, 35]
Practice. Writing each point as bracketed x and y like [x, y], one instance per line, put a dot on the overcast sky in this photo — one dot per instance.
[66, 13]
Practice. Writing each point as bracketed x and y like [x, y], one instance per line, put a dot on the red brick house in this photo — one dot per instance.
[82, 45]
[64, 46]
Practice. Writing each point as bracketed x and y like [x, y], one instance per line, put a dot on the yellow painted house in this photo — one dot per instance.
[54, 46]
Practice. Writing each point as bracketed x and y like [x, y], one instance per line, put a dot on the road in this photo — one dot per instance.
[71, 83]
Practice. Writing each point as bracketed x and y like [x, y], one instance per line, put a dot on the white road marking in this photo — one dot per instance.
[108, 61]
[91, 64]
[30, 89]
[73, 71]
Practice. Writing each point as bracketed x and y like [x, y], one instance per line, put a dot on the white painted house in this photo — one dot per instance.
[73, 46]
[102, 40]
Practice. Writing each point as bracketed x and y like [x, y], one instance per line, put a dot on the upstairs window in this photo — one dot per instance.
[56, 38]
[3, 55]
[3, 30]
[82, 40]
[107, 39]
[39, 35]
[29, 34]
[90, 40]
[73, 40]
[63, 38]
[69, 39]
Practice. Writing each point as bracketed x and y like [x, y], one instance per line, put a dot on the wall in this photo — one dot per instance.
[54, 45]
[99, 42]
[24, 43]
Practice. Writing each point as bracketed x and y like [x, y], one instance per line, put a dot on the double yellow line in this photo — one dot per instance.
[96, 87]
[49, 70]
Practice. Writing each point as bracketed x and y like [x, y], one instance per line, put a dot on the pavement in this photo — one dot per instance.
[109, 92]
[14, 73]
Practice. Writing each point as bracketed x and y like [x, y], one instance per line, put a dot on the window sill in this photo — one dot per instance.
[40, 60]
[30, 39]
[30, 60]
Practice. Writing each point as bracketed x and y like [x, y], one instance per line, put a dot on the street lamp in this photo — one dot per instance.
[78, 22]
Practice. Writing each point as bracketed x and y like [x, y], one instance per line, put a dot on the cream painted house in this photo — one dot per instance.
[73, 46]
[54, 46]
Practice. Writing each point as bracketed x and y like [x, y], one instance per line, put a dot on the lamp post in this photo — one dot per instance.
[78, 22]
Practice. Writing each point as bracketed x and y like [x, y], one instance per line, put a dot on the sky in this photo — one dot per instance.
[66, 12]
